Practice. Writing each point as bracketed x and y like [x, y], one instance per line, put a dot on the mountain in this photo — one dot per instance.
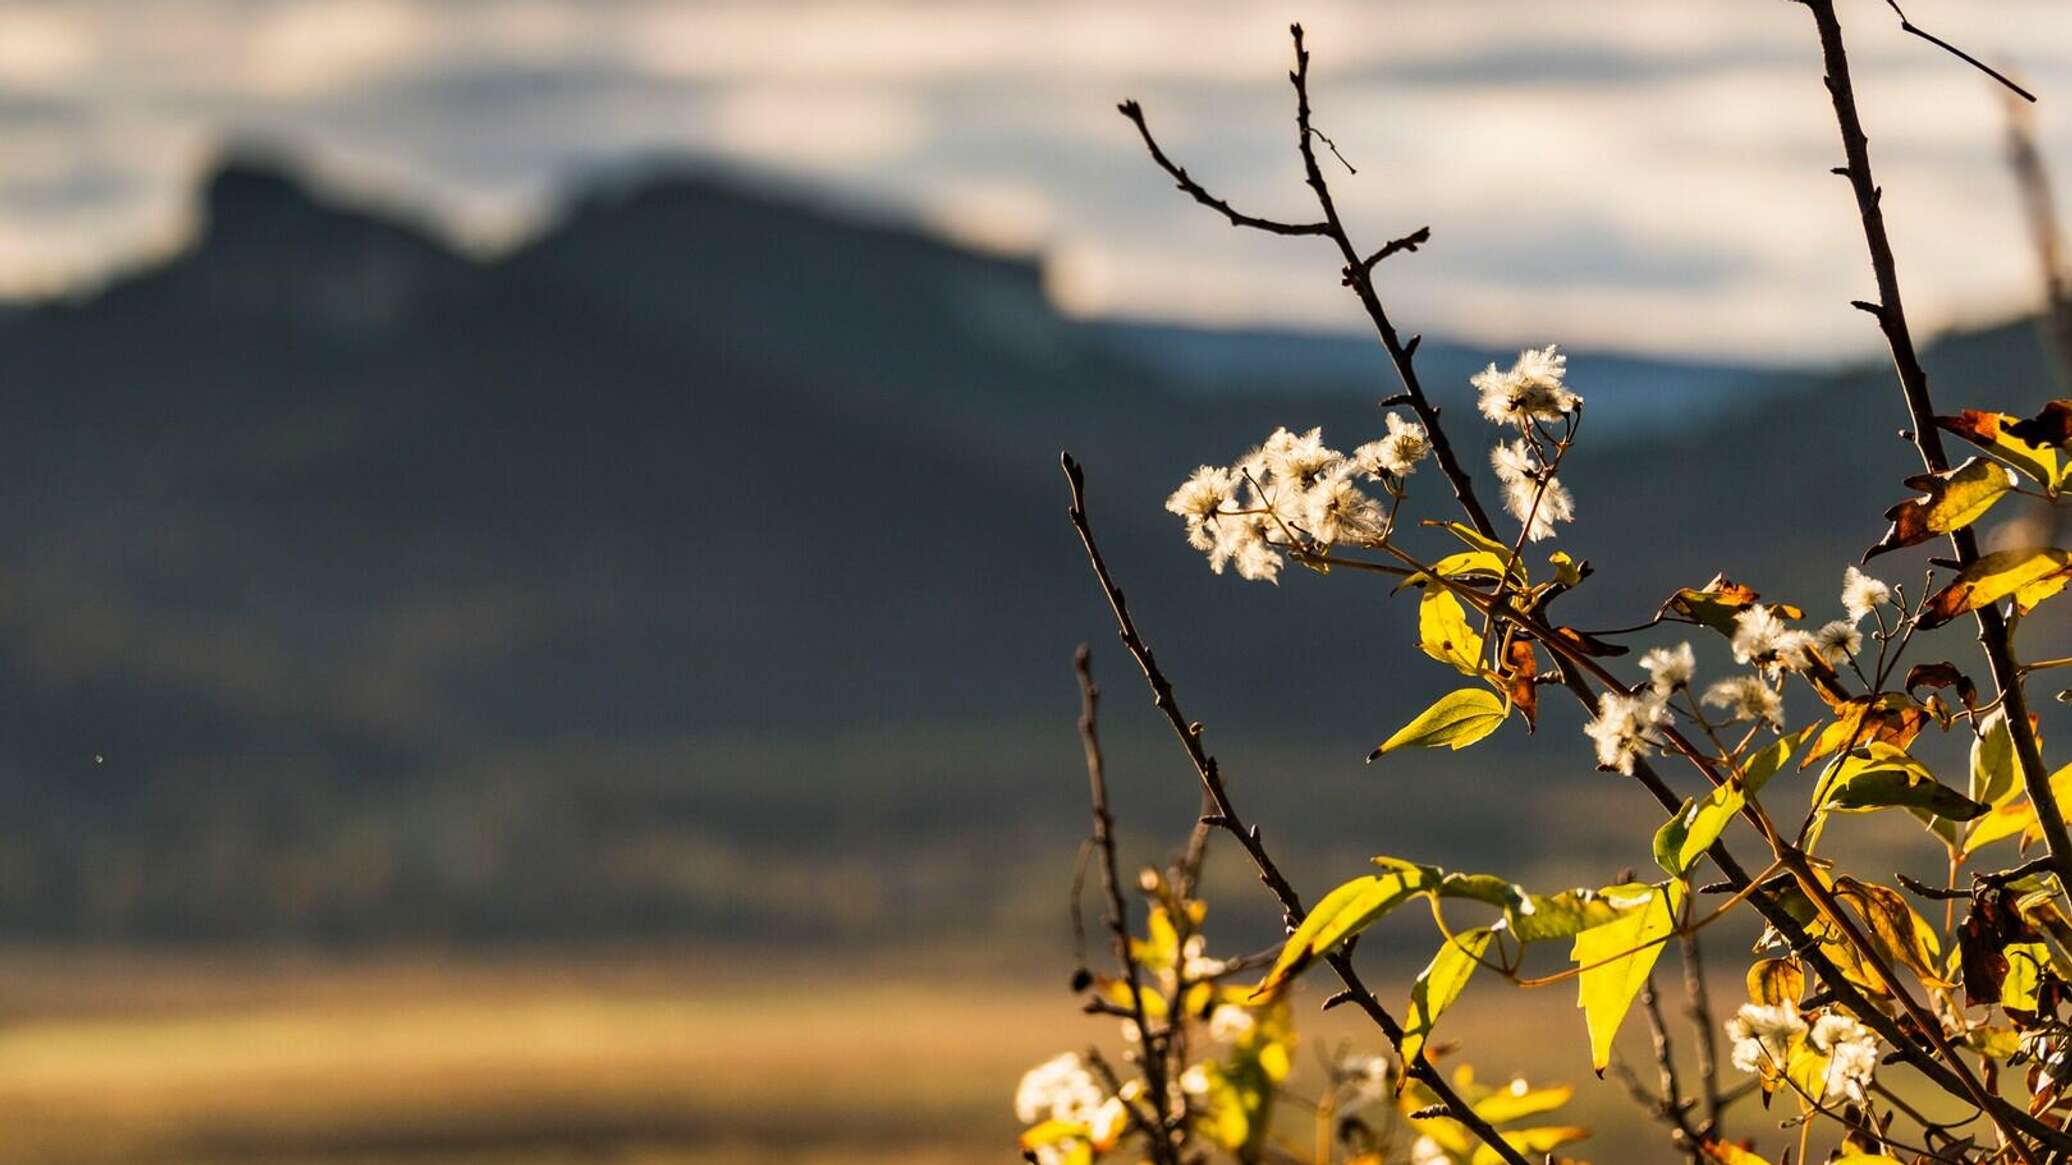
[701, 568]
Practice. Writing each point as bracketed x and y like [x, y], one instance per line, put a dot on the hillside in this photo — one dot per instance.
[700, 568]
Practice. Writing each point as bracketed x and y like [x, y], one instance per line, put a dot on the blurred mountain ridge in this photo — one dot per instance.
[700, 567]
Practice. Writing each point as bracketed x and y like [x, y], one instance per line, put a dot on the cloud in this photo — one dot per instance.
[1644, 173]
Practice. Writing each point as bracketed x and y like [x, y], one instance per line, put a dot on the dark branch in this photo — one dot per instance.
[1409, 242]
[1159, 1125]
[1906, 25]
[1226, 818]
[1135, 113]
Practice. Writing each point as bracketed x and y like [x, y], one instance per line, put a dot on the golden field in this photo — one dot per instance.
[682, 1057]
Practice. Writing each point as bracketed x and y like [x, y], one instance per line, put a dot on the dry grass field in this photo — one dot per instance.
[642, 1058]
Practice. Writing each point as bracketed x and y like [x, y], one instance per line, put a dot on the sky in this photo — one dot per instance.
[1643, 174]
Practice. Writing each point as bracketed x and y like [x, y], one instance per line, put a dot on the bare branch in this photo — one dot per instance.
[1906, 25]
[1151, 1045]
[1409, 242]
[1226, 818]
[1135, 113]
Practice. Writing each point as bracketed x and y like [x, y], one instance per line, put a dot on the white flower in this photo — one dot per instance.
[1296, 460]
[1838, 641]
[1367, 1076]
[1229, 1023]
[1195, 1080]
[1669, 668]
[1626, 728]
[1762, 639]
[1407, 444]
[1104, 1125]
[1852, 1053]
[1335, 508]
[1763, 1033]
[1060, 1088]
[1531, 494]
[1532, 390]
[1426, 1151]
[1747, 698]
[1861, 592]
[1199, 499]
[1244, 539]
[1513, 462]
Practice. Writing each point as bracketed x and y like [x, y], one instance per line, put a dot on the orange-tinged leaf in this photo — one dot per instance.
[2004, 437]
[1520, 668]
[1727, 1153]
[1716, 604]
[1954, 500]
[2026, 576]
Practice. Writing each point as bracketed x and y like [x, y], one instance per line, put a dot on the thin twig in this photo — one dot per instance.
[1135, 113]
[1226, 818]
[1906, 25]
[1698, 1009]
[1151, 1045]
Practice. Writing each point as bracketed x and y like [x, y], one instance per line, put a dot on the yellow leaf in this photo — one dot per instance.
[1627, 949]
[1775, 981]
[1535, 1142]
[1955, 499]
[1731, 1154]
[1439, 984]
[1990, 431]
[1443, 632]
[2026, 576]
[1516, 1101]
[1343, 913]
[1456, 721]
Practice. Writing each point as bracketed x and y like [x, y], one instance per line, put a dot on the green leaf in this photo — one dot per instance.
[1770, 761]
[1443, 632]
[1568, 913]
[1627, 949]
[2025, 964]
[1684, 838]
[1993, 778]
[1345, 912]
[1458, 720]
[2026, 576]
[1886, 778]
[1955, 499]
[1439, 984]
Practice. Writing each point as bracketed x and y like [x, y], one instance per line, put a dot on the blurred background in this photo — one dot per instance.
[535, 604]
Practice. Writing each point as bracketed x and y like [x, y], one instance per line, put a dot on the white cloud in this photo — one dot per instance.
[1643, 172]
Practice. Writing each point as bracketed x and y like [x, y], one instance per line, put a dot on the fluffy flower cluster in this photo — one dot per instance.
[1763, 1035]
[1852, 1052]
[1861, 593]
[1291, 490]
[1063, 1089]
[1532, 494]
[1747, 697]
[1765, 1038]
[1627, 727]
[1532, 390]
